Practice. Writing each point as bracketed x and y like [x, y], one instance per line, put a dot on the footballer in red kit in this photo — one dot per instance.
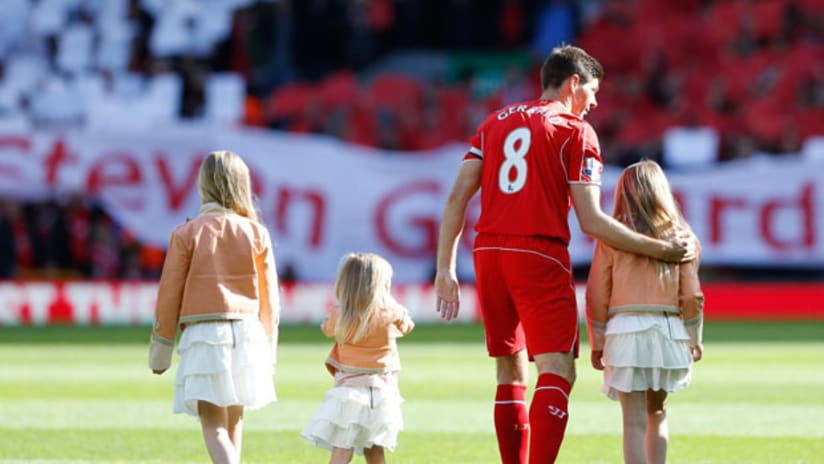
[532, 162]
[525, 202]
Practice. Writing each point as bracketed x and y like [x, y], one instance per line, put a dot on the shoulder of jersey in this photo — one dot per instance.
[575, 121]
[566, 119]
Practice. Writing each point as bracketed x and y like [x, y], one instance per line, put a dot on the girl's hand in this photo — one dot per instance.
[697, 352]
[595, 357]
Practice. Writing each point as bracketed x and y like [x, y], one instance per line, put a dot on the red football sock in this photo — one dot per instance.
[548, 418]
[511, 423]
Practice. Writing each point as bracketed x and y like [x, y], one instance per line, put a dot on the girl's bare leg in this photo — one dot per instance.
[235, 427]
[657, 429]
[374, 455]
[214, 423]
[634, 412]
[341, 456]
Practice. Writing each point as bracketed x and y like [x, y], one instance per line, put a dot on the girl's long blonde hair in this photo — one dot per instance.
[644, 202]
[224, 179]
[361, 289]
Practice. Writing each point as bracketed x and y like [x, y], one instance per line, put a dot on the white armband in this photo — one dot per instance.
[695, 329]
[160, 352]
[597, 334]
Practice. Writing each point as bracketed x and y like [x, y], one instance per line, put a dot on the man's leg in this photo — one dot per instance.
[505, 342]
[548, 414]
[511, 417]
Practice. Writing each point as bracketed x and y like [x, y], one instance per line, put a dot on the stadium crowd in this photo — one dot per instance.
[738, 77]
[47, 239]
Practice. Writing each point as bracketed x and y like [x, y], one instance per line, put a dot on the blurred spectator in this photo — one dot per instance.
[260, 46]
[49, 238]
[320, 35]
[78, 221]
[8, 243]
[73, 240]
[104, 249]
[288, 274]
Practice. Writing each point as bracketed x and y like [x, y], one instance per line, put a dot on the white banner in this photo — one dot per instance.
[322, 198]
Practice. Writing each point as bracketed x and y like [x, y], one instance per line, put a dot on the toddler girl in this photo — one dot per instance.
[362, 412]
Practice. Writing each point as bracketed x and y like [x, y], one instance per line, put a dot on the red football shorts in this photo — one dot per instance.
[526, 293]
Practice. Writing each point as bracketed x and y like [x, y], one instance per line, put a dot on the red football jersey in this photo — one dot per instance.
[531, 152]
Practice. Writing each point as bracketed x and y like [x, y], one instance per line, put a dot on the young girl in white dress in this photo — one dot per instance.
[362, 412]
[644, 317]
[220, 286]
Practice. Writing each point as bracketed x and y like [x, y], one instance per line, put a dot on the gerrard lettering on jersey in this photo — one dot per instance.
[524, 109]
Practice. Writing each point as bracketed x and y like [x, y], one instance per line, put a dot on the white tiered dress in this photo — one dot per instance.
[225, 363]
[360, 412]
[646, 351]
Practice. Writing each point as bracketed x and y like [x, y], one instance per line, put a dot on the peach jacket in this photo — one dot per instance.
[620, 281]
[219, 266]
[377, 352]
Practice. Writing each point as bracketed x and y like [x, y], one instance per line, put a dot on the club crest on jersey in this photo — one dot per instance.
[592, 170]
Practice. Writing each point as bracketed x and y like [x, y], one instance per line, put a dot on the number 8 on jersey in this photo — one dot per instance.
[516, 146]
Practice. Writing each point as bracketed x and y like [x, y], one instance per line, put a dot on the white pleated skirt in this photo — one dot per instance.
[227, 363]
[357, 418]
[646, 351]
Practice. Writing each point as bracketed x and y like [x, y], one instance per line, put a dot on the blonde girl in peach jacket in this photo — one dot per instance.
[644, 317]
[362, 412]
[220, 287]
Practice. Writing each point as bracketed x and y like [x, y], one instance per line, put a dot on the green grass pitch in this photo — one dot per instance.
[85, 395]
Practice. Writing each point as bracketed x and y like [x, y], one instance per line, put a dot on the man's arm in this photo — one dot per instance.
[466, 185]
[586, 199]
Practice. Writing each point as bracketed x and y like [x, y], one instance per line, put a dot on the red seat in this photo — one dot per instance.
[759, 119]
[722, 21]
[452, 108]
[741, 73]
[809, 121]
[768, 17]
[290, 100]
[615, 45]
[396, 92]
[809, 7]
[361, 127]
[338, 89]
[253, 112]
